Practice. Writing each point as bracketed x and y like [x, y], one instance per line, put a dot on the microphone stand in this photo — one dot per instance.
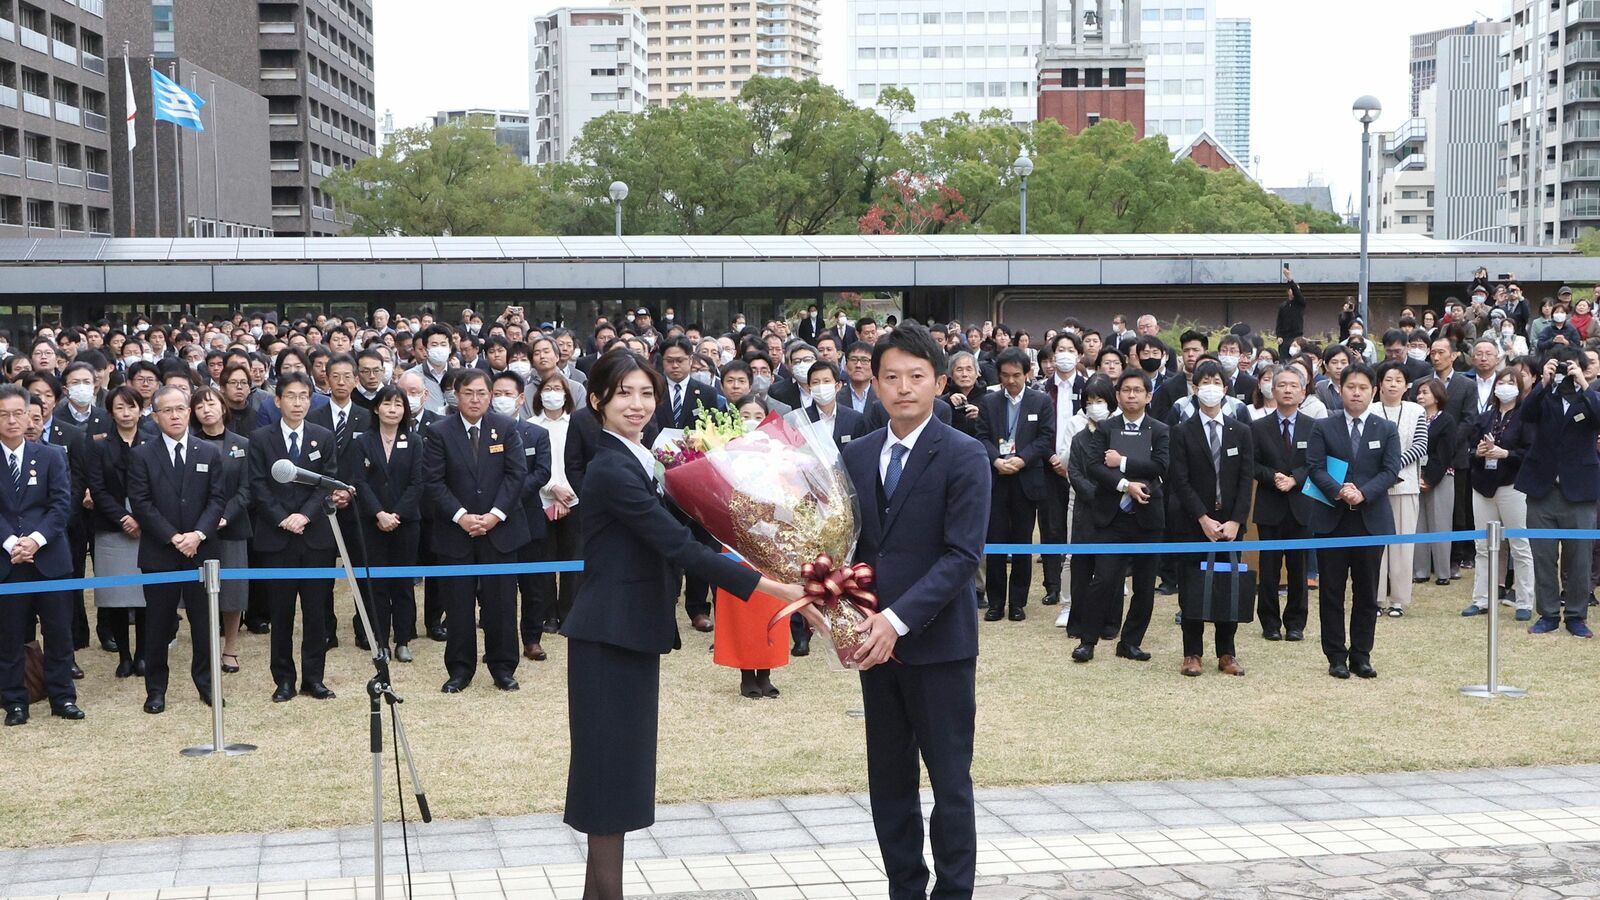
[380, 690]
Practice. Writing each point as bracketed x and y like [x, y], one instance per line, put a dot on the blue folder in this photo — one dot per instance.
[1337, 468]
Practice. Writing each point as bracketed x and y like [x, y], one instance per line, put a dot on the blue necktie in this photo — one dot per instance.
[16, 472]
[294, 447]
[891, 478]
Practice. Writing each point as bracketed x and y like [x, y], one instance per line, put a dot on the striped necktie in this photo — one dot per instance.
[15, 461]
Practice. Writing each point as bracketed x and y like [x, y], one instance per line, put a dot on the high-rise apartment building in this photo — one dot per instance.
[55, 167]
[584, 63]
[510, 126]
[1465, 157]
[1425, 57]
[710, 48]
[1232, 87]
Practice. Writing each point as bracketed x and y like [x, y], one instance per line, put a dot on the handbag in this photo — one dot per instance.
[1218, 592]
[33, 672]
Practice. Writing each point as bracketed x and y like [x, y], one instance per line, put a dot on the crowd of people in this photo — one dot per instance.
[146, 447]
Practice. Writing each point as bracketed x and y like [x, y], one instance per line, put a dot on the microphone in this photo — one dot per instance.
[286, 472]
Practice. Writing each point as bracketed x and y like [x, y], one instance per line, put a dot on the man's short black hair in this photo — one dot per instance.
[1069, 337]
[289, 378]
[818, 367]
[1193, 335]
[1207, 368]
[336, 359]
[1147, 342]
[513, 377]
[1393, 336]
[1362, 369]
[1012, 356]
[1133, 375]
[737, 366]
[912, 339]
[677, 342]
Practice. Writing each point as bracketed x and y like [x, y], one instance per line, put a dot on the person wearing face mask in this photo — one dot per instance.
[559, 501]
[507, 400]
[1497, 444]
[840, 423]
[811, 326]
[436, 342]
[843, 330]
[1359, 344]
[1560, 332]
[1099, 398]
[790, 390]
[1187, 406]
[1065, 390]
[1231, 353]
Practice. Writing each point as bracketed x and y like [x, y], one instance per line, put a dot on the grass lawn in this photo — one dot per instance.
[1041, 720]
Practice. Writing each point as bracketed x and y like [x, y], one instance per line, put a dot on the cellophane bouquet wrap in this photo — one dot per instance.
[777, 499]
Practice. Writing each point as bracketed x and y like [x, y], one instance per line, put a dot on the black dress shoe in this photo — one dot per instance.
[109, 645]
[1339, 670]
[1364, 670]
[1128, 651]
[316, 690]
[139, 670]
[1083, 652]
[552, 626]
[454, 686]
[994, 614]
[68, 711]
[506, 683]
[16, 715]
[1273, 635]
[77, 673]
[1295, 636]
[333, 642]
[205, 697]
[258, 627]
[1017, 615]
[1166, 588]
[155, 704]
[124, 668]
[361, 641]
[1051, 599]
[438, 633]
[801, 648]
[283, 694]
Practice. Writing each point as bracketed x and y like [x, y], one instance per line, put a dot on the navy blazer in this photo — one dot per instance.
[391, 484]
[925, 549]
[271, 502]
[1561, 445]
[631, 543]
[536, 451]
[169, 504]
[1107, 499]
[235, 485]
[1036, 436]
[1275, 507]
[848, 425]
[695, 395]
[108, 480]
[1373, 470]
[43, 506]
[454, 479]
[359, 422]
[1193, 481]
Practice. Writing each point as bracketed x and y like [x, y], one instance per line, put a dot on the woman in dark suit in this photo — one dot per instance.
[624, 619]
[388, 500]
[116, 547]
[210, 414]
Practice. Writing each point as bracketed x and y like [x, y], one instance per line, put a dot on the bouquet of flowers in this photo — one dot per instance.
[783, 504]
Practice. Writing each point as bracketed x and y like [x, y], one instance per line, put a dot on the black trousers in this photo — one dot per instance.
[314, 596]
[926, 711]
[53, 611]
[1194, 637]
[1296, 606]
[393, 604]
[1461, 520]
[258, 603]
[432, 598]
[1011, 518]
[161, 602]
[1105, 590]
[470, 600]
[1053, 525]
[1358, 566]
[78, 546]
[534, 600]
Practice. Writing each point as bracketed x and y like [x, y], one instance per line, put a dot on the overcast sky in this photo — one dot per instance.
[1311, 60]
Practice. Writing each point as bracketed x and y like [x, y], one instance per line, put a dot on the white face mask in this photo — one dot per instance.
[505, 406]
[800, 370]
[1096, 412]
[824, 393]
[255, 331]
[1417, 353]
[843, 320]
[1559, 318]
[449, 398]
[522, 367]
[388, 372]
[553, 399]
[438, 356]
[1066, 363]
[1230, 362]
[415, 402]
[752, 424]
[725, 357]
[701, 378]
[1506, 393]
[1210, 395]
[80, 394]
[761, 383]
[1294, 349]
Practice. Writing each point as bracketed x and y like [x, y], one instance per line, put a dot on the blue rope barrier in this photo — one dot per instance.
[1168, 547]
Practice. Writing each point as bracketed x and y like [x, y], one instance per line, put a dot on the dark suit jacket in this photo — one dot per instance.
[1373, 470]
[1173, 388]
[1193, 481]
[848, 425]
[787, 392]
[455, 478]
[695, 395]
[235, 485]
[846, 336]
[1275, 507]
[1560, 445]
[170, 503]
[1442, 435]
[271, 502]
[108, 481]
[536, 452]
[1107, 499]
[44, 506]
[99, 421]
[809, 329]
[390, 484]
[1461, 402]
[631, 543]
[75, 441]
[1243, 387]
[847, 397]
[925, 549]
[360, 421]
[1036, 436]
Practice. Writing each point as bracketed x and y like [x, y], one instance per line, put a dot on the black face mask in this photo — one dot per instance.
[1150, 363]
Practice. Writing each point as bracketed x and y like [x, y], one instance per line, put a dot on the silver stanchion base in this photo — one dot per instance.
[1500, 690]
[227, 750]
[856, 713]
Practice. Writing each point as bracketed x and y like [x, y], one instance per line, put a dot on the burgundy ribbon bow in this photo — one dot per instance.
[826, 585]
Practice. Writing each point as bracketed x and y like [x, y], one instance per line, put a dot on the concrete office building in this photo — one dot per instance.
[510, 126]
[710, 49]
[1405, 194]
[583, 63]
[1425, 55]
[1232, 86]
[1465, 157]
[55, 167]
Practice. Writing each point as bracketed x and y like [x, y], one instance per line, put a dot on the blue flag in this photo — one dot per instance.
[175, 103]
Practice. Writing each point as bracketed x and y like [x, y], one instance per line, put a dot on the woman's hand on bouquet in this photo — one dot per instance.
[788, 593]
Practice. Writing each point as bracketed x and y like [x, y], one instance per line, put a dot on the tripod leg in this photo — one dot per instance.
[404, 749]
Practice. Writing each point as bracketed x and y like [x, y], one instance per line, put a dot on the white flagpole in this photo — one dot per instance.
[177, 159]
[216, 178]
[133, 139]
[155, 147]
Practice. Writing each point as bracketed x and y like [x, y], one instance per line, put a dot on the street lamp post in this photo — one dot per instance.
[1023, 166]
[1366, 109]
[619, 193]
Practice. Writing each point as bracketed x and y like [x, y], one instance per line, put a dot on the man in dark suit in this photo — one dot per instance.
[1130, 451]
[1230, 353]
[1283, 511]
[843, 330]
[857, 392]
[176, 484]
[290, 527]
[74, 441]
[924, 489]
[790, 391]
[347, 419]
[1370, 446]
[811, 326]
[1065, 389]
[473, 469]
[679, 403]
[843, 423]
[1174, 387]
[1469, 395]
[509, 390]
[1561, 477]
[1018, 430]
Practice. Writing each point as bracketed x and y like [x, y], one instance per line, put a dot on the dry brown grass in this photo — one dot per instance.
[1041, 720]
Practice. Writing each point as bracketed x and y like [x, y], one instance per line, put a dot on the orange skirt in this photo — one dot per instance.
[743, 640]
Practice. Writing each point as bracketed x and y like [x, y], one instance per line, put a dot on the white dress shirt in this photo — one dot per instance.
[640, 452]
[1064, 413]
[889, 443]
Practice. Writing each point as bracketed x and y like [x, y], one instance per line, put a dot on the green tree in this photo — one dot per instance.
[1588, 243]
[453, 179]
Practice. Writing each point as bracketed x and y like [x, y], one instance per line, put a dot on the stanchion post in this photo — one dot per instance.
[211, 576]
[1492, 686]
